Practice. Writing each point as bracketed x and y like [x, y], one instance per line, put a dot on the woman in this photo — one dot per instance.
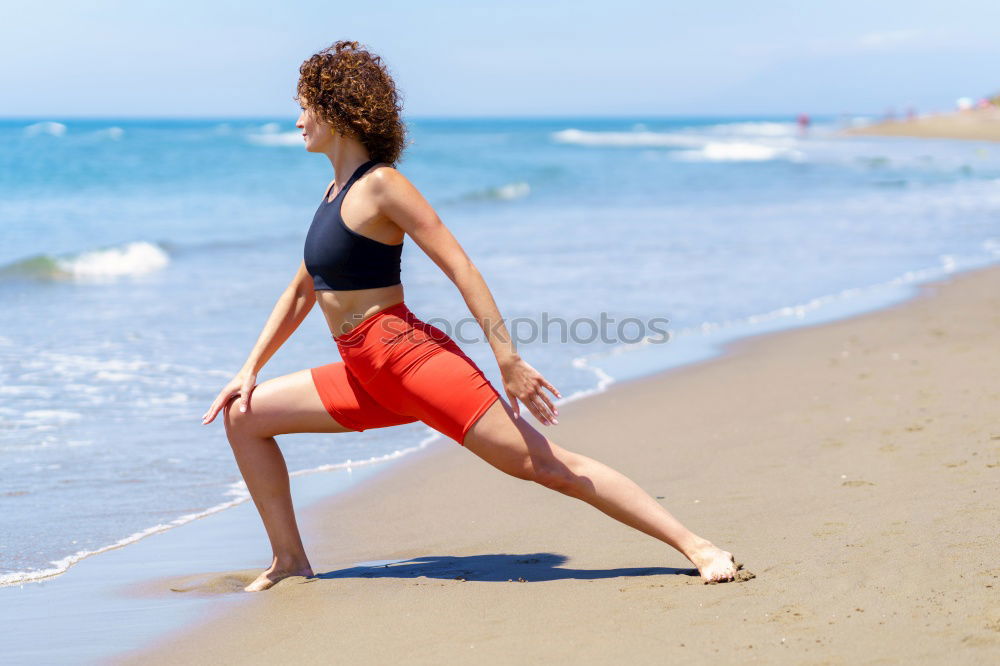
[396, 368]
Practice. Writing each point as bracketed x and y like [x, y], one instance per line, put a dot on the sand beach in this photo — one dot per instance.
[853, 467]
[972, 124]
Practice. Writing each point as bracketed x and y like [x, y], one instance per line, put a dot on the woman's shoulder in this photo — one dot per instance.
[392, 188]
[386, 175]
[384, 168]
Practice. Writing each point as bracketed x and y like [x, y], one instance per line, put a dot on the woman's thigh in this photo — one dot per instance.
[283, 405]
[515, 446]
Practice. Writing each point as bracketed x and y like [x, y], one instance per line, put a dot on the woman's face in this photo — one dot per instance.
[315, 132]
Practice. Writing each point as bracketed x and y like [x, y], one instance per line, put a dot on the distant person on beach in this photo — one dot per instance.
[803, 122]
[395, 368]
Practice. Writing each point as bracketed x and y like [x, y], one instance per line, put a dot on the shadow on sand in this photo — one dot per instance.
[528, 568]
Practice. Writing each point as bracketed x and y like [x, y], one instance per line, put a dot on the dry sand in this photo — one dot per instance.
[976, 124]
[853, 466]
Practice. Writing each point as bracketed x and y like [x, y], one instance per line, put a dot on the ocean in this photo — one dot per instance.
[140, 258]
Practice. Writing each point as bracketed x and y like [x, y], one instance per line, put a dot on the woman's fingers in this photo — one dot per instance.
[537, 402]
[539, 408]
[245, 395]
[542, 413]
[545, 404]
[513, 403]
[533, 409]
[210, 414]
[211, 407]
[240, 386]
[550, 410]
[219, 403]
[548, 402]
[529, 390]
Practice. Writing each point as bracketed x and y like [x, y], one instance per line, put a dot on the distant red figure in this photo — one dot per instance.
[803, 121]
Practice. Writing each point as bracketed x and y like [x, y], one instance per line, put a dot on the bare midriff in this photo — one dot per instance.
[346, 309]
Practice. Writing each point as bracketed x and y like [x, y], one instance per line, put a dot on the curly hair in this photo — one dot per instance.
[350, 89]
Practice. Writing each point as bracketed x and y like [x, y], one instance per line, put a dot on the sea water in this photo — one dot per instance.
[139, 260]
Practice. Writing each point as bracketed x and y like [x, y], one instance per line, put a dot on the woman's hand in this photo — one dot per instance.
[240, 385]
[522, 382]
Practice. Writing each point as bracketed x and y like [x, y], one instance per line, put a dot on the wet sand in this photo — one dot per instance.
[853, 466]
[977, 124]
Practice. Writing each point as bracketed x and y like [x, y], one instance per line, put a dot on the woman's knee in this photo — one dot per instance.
[251, 423]
[528, 468]
[279, 406]
[237, 422]
[516, 448]
[555, 474]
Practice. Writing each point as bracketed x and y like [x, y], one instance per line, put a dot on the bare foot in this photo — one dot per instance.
[274, 574]
[714, 564]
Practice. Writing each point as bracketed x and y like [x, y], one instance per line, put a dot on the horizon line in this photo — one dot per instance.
[608, 116]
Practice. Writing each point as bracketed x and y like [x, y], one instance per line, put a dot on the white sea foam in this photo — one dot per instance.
[74, 364]
[158, 400]
[506, 192]
[718, 151]
[704, 147]
[512, 191]
[62, 565]
[626, 139]
[277, 139]
[751, 129]
[106, 376]
[237, 490]
[131, 259]
[113, 133]
[60, 415]
[48, 127]
[25, 389]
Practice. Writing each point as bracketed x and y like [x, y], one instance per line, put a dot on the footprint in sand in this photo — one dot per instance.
[215, 583]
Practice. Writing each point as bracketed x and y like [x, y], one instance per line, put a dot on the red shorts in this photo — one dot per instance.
[398, 369]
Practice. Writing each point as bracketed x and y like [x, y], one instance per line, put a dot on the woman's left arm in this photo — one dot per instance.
[400, 201]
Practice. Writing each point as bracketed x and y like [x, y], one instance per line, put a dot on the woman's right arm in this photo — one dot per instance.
[292, 307]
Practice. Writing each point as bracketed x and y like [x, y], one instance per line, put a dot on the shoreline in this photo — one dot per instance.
[691, 345]
[802, 396]
[971, 125]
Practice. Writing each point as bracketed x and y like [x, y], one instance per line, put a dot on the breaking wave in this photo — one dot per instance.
[109, 263]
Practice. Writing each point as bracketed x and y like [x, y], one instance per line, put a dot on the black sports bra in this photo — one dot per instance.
[339, 258]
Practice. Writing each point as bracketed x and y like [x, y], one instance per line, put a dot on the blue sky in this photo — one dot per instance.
[511, 58]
